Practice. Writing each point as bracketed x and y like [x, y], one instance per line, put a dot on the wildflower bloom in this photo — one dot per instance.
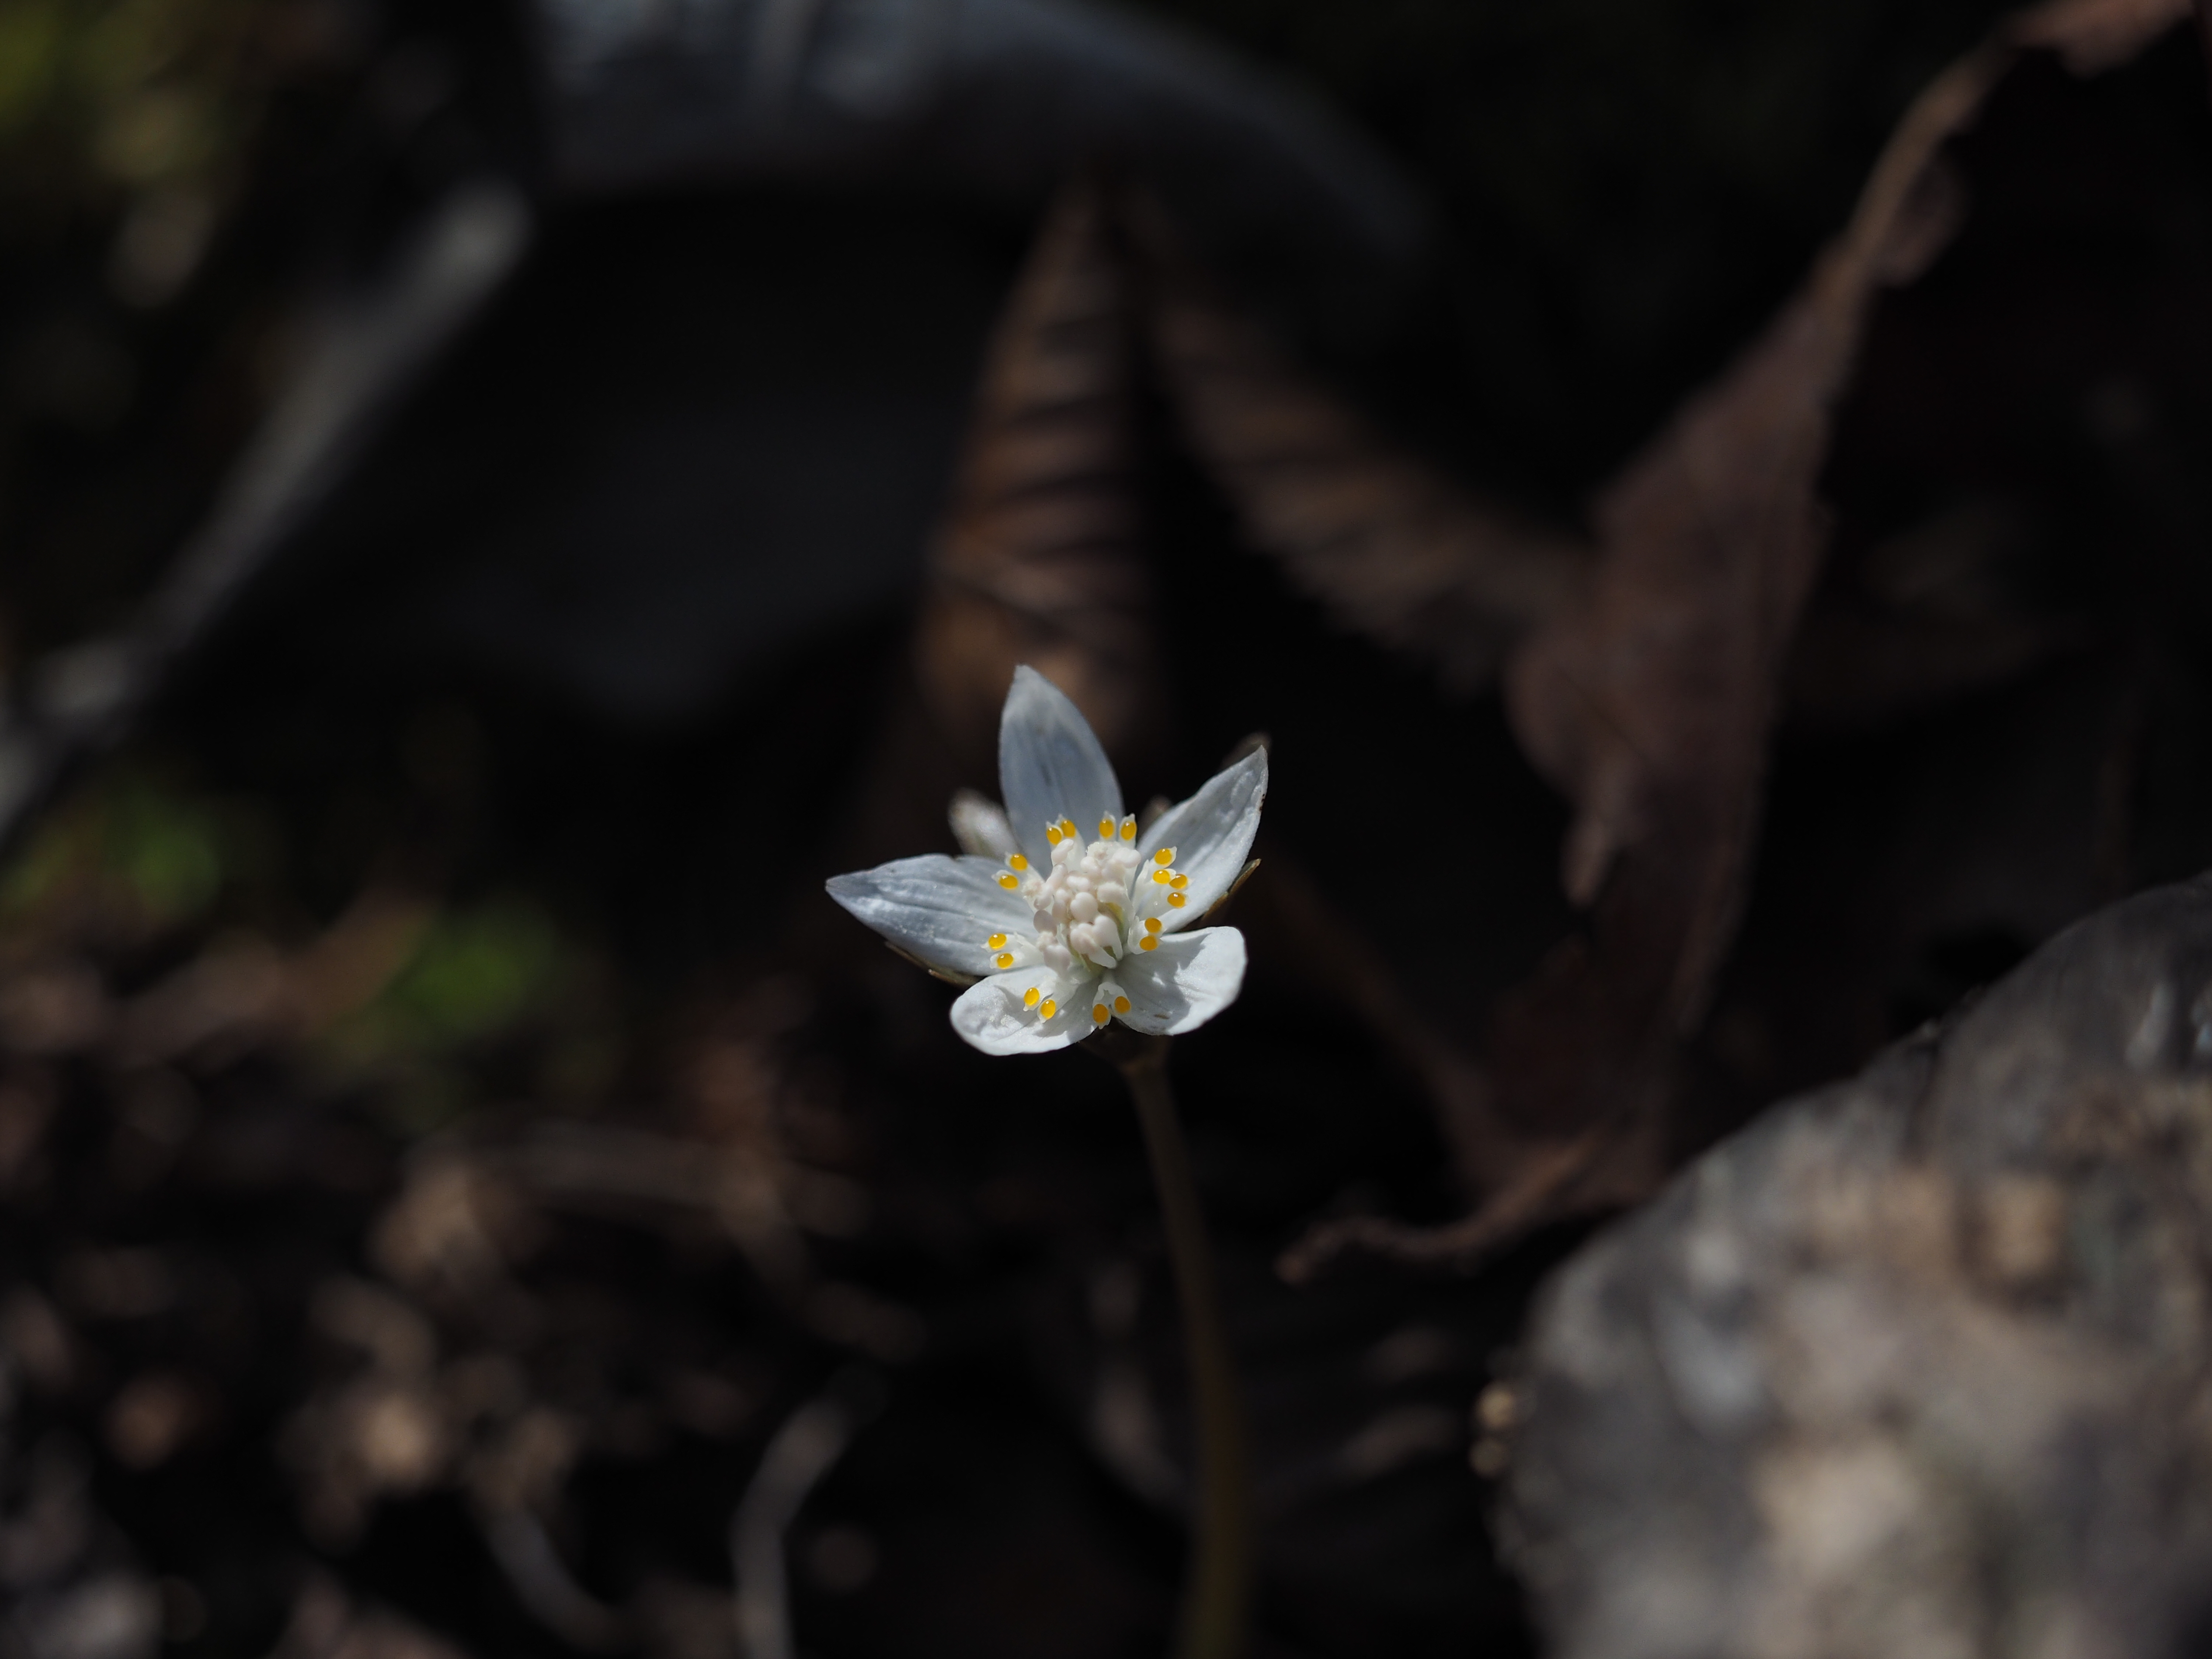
[1072, 919]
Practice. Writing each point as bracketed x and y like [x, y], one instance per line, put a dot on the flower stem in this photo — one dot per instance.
[1221, 1550]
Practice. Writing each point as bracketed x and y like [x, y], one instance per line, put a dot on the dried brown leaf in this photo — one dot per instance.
[1650, 702]
[1040, 559]
[1650, 699]
[2092, 36]
[1394, 549]
[1551, 1177]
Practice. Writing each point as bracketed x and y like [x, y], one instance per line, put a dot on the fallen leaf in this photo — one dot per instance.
[1041, 559]
[2092, 36]
[1395, 550]
[1650, 699]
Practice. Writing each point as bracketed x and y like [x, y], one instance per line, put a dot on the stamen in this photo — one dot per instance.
[1164, 856]
[1048, 1008]
[1105, 828]
[1068, 827]
[1004, 959]
[1015, 862]
[1151, 923]
[1029, 997]
[1180, 883]
[1100, 1013]
[1150, 942]
[996, 942]
[1177, 900]
[1052, 835]
[1009, 880]
[1129, 828]
[1121, 1004]
[1162, 877]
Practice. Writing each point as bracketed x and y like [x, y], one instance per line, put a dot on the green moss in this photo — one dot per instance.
[478, 971]
[137, 852]
[33, 38]
[476, 977]
[125, 95]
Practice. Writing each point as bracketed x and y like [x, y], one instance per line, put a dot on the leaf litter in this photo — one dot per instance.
[1651, 699]
[519, 1304]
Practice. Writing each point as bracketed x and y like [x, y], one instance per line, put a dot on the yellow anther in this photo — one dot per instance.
[1151, 923]
[1180, 883]
[1052, 835]
[1121, 1004]
[1068, 827]
[1164, 856]
[1177, 900]
[1029, 997]
[996, 942]
[1009, 880]
[1150, 942]
[1129, 828]
[1100, 1013]
[1048, 1008]
[1162, 877]
[1004, 959]
[1105, 828]
[1015, 862]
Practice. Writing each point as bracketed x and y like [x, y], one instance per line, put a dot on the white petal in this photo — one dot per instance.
[1185, 982]
[979, 825]
[1050, 764]
[991, 1017]
[1211, 833]
[936, 908]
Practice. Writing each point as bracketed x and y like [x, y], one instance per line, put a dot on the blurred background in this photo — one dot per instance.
[499, 499]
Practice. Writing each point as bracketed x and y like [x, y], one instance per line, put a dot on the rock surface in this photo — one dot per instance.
[1919, 1364]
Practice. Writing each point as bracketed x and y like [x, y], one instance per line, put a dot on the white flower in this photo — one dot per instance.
[1078, 919]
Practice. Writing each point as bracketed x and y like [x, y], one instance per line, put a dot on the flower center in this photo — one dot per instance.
[1100, 901]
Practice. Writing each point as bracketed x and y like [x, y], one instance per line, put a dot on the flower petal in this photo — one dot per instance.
[1050, 764]
[936, 908]
[980, 826]
[1211, 833]
[990, 1016]
[1186, 981]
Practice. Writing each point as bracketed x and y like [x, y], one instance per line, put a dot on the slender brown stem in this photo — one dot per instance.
[1220, 1590]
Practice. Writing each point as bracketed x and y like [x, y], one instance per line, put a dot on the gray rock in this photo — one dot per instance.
[1920, 1364]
